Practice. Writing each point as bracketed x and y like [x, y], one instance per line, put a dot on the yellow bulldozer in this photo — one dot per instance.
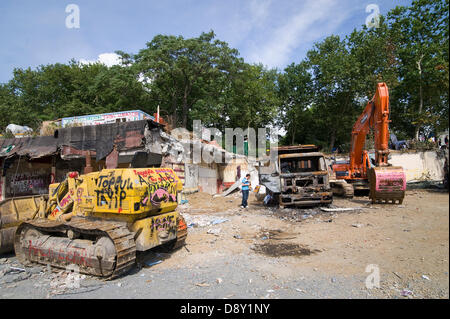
[96, 221]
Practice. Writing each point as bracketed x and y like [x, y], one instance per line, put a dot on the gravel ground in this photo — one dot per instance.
[269, 253]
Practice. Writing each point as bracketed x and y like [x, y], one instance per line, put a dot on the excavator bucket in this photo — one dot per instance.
[387, 184]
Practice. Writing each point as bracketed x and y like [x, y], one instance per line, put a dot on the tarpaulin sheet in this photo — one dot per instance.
[102, 138]
[33, 147]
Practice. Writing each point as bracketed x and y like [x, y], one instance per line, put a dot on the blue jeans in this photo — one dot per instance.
[245, 197]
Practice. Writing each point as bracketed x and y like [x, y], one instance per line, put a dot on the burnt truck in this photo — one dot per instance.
[295, 176]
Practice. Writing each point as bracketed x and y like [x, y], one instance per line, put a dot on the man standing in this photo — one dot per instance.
[245, 190]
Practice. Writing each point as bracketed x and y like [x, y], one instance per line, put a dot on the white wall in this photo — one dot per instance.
[420, 166]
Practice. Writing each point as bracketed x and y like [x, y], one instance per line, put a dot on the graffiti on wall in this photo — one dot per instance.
[106, 118]
[28, 183]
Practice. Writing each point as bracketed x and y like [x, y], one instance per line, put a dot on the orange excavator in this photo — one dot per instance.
[385, 182]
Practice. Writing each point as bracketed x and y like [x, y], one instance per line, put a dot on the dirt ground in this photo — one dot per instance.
[262, 252]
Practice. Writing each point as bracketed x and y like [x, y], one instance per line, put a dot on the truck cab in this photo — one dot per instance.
[298, 178]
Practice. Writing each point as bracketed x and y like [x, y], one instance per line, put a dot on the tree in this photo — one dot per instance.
[422, 46]
[296, 94]
[334, 77]
[182, 71]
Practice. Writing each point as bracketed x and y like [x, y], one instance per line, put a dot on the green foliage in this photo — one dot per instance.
[323, 95]
[316, 100]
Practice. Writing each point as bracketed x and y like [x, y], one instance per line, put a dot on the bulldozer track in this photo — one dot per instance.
[122, 238]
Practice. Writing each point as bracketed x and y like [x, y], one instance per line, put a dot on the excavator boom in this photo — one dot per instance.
[386, 183]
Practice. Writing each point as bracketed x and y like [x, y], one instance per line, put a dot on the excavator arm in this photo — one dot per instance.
[376, 116]
[386, 183]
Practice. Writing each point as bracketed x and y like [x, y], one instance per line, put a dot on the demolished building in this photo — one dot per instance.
[29, 165]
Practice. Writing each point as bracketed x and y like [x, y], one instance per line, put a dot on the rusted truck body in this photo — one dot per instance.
[297, 176]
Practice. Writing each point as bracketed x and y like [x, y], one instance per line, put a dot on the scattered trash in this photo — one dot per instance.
[184, 201]
[219, 280]
[406, 293]
[401, 206]
[298, 289]
[357, 225]
[17, 269]
[237, 236]
[153, 263]
[264, 238]
[215, 231]
[270, 290]
[425, 277]
[119, 284]
[333, 280]
[203, 284]
[219, 221]
[143, 275]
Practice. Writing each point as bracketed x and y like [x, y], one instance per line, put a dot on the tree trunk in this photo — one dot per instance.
[419, 67]
[185, 106]
[293, 136]
[332, 139]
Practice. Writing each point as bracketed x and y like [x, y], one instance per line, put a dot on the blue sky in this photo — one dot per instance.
[273, 32]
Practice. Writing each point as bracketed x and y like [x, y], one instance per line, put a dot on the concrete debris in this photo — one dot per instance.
[232, 188]
[15, 277]
[194, 221]
[214, 231]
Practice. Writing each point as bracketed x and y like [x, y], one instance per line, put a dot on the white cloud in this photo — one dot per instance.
[108, 59]
[251, 16]
[317, 18]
